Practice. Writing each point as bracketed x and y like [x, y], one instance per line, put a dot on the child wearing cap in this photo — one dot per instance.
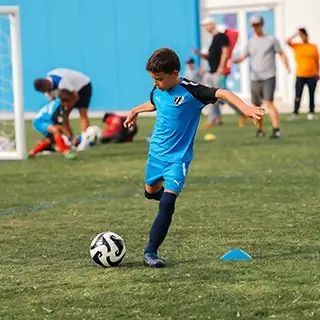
[192, 73]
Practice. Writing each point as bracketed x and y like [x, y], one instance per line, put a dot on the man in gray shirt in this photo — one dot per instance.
[262, 49]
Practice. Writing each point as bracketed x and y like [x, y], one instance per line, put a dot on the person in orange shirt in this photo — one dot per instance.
[307, 73]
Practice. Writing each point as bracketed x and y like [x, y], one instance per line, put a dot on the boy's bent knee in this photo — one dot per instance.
[154, 196]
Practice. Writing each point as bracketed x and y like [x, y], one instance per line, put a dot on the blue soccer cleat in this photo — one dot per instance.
[153, 261]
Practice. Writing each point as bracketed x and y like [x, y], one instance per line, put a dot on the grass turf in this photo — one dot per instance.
[242, 192]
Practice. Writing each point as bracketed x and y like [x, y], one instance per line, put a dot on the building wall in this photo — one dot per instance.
[288, 15]
[110, 40]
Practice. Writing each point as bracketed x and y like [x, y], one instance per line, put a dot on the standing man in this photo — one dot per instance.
[262, 49]
[217, 57]
[71, 80]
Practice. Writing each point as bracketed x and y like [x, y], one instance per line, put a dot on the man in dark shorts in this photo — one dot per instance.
[71, 80]
[262, 49]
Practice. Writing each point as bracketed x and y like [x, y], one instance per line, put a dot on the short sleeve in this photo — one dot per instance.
[293, 45]
[151, 95]
[200, 92]
[245, 52]
[224, 40]
[205, 94]
[276, 45]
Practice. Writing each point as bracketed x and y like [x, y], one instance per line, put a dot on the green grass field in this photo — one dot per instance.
[242, 192]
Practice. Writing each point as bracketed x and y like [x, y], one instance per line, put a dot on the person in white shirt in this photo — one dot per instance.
[71, 80]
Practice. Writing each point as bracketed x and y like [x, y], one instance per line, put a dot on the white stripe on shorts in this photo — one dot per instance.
[184, 169]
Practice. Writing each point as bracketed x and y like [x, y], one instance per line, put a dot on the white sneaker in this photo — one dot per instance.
[84, 144]
[311, 116]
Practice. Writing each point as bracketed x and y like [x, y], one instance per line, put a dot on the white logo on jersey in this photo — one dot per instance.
[158, 99]
[178, 100]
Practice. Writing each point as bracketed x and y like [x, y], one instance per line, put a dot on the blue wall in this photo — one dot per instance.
[110, 40]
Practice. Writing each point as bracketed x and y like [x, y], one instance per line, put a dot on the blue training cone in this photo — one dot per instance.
[236, 254]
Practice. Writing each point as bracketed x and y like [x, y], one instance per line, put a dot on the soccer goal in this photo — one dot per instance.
[12, 129]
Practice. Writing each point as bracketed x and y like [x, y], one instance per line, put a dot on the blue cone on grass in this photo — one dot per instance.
[236, 255]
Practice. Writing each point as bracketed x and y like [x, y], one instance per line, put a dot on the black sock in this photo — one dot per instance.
[157, 196]
[154, 196]
[162, 222]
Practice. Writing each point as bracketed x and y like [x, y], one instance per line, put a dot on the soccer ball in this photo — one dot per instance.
[107, 249]
[93, 134]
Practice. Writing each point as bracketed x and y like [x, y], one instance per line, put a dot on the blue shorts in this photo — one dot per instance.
[42, 126]
[174, 174]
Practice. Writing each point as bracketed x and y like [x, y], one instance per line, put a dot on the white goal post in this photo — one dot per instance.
[12, 127]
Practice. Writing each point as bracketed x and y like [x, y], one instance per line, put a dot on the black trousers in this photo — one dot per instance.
[300, 83]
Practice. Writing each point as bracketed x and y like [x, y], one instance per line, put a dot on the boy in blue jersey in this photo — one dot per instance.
[50, 121]
[178, 103]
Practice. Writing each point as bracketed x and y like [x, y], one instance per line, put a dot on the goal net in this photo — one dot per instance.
[12, 132]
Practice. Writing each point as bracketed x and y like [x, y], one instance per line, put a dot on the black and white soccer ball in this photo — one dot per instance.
[93, 134]
[107, 249]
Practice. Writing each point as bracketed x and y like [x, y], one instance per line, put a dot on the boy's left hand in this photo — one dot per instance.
[131, 120]
[255, 113]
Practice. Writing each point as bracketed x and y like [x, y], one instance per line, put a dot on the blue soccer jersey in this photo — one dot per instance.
[178, 115]
[51, 114]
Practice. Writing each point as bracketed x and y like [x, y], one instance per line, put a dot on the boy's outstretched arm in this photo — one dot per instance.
[256, 113]
[133, 114]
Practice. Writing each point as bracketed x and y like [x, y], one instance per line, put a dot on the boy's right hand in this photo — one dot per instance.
[255, 113]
